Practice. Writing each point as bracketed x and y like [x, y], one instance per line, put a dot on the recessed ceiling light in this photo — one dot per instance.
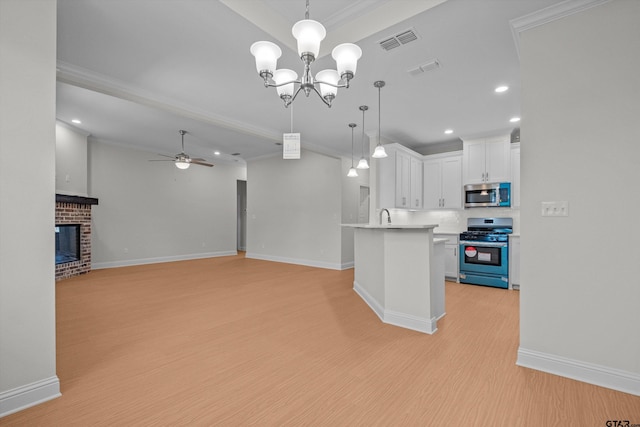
[514, 119]
[76, 121]
[448, 131]
[217, 153]
[501, 89]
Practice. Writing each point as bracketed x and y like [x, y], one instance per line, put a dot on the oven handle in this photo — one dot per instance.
[485, 244]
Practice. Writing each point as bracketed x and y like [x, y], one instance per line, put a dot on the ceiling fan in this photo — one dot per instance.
[182, 160]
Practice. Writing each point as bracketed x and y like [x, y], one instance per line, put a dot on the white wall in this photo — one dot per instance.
[153, 212]
[27, 203]
[581, 143]
[71, 160]
[350, 207]
[294, 210]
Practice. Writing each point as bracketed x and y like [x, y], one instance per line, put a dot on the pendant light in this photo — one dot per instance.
[352, 171]
[363, 164]
[379, 152]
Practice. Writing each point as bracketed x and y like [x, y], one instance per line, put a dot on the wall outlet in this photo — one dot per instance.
[555, 208]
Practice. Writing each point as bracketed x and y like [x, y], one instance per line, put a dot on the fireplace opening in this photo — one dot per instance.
[67, 243]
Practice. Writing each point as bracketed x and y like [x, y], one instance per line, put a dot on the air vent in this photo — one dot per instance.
[235, 154]
[399, 39]
[427, 66]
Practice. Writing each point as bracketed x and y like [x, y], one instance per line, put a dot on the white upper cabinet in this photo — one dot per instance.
[442, 181]
[486, 160]
[415, 189]
[400, 178]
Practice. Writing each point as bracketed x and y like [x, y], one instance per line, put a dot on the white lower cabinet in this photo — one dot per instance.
[450, 255]
[514, 262]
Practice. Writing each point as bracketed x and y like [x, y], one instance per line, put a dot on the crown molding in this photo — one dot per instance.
[549, 14]
[87, 79]
[73, 128]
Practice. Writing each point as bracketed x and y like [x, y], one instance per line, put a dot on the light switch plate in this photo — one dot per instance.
[555, 208]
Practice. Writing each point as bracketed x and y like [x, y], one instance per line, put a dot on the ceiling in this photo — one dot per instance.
[137, 71]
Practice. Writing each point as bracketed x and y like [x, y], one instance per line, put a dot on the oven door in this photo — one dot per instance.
[484, 263]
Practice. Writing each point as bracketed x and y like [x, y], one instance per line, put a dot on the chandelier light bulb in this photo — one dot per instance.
[309, 34]
[346, 56]
[282, 76]
[266, 54]
[328, 91]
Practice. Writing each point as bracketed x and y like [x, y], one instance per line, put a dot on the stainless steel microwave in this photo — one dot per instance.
[496, 194]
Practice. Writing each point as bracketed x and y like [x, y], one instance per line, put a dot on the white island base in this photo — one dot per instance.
[399, 273]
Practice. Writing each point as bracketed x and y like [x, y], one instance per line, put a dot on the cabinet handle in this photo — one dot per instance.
[443, 203]
[404, 201]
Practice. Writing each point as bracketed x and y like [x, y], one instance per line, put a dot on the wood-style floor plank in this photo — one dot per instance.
[233, 341]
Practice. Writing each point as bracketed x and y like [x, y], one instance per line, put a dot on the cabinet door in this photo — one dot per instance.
[432, 187]
[497, 158]
[474, 162]
[451, 261]
[514, 262]
[415, 188]
[403, 180]
[452, 183]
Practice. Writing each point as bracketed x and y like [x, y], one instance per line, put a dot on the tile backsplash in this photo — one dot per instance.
[453, 221]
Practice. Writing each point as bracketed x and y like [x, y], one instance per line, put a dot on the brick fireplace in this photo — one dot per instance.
[71, 210]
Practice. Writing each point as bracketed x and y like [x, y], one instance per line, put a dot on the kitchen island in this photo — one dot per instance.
[399, 273]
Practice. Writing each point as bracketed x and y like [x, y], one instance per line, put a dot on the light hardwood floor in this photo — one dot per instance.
[233, 341]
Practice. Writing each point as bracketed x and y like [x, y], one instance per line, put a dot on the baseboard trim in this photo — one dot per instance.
[599, 375]
[297, 261]
[403, 320]
[24, 397]
[374, 305]
[158, 260]
[420, 324]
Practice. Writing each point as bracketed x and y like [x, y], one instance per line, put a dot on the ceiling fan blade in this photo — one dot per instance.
[164, 155]
[202, 162]
[162, 160]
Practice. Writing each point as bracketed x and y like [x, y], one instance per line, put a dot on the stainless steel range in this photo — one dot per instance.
[484, 252]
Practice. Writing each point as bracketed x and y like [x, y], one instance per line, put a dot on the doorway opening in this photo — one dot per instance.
[241, 198]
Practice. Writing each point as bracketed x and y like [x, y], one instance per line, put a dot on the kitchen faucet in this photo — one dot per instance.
[388, 216]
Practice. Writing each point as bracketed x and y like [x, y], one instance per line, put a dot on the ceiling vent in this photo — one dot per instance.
[427, 66]
[399, 39]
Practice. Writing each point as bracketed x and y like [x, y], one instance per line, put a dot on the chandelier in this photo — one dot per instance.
[309, 34]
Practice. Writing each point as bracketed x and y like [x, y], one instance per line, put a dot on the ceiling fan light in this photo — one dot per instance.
[282, 76]
[328, 76]
[352, 172]
[309, 34]
[346, 56]
[379, 152]
[266, 54]
[182, 164]
[363, 164]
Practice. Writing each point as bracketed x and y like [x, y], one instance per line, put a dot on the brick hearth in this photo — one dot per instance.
[75, 210]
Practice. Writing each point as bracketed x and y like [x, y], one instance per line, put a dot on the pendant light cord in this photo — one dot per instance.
[379, 107]
[306, 13]
[292, 118]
